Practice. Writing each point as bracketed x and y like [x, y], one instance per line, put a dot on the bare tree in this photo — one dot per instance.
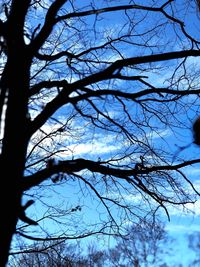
[50, 254]
[194, 245]
[95, 98]
[145, 244]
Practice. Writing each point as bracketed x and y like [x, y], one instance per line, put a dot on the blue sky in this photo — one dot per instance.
[84, 140]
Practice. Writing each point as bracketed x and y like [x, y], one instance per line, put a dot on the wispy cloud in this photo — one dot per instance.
[182, 229]
[101, 146]
[158, 134]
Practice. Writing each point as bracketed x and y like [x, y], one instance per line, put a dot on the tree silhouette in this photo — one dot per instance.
[95, 98]
[194, 245]
[144, 244]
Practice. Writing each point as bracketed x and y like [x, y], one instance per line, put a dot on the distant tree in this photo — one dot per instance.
[57, 254]
[96, 99]
[97, 257]
[50, 254]
[194, 245]
[145, 245]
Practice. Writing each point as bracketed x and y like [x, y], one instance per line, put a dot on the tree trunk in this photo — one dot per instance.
[8, 223]
[14, 146]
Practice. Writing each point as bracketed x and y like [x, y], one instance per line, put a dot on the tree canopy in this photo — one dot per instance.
[98, 101]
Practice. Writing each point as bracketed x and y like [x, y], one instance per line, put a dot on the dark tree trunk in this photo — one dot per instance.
[15, 81]
[14, 92]
[9, 215]
[13, 156]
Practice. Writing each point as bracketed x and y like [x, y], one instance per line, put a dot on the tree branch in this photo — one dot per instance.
[71, 166]
[105, 10]
[47, 28]
[133, 61]
[108, 73]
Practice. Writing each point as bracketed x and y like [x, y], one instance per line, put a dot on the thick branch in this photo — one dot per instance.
[73, 166]
[119, 64]
[134, 96]
[50, 109]
[35, 89]
[47, 28]
[69, 167]
[105, 10]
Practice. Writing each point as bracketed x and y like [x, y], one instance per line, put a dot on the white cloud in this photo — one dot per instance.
[189, 210]
[101, 145]
[181, 228]
[158, 134]
[91, 148]
[194, 171]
